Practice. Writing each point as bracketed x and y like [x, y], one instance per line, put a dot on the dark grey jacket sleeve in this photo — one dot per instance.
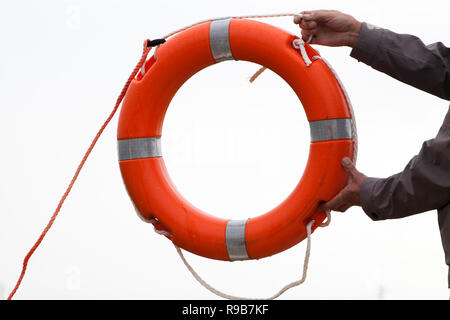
[405, 58]
[424, 184]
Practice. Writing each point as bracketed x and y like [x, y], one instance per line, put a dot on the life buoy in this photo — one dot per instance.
[139, 139]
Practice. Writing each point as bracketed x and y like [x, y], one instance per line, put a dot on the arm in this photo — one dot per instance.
[403, 57]
[423, 185]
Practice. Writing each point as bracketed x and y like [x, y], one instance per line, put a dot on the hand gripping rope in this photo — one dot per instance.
[298, 44]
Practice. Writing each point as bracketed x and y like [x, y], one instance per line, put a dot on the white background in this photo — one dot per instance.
[232, 148]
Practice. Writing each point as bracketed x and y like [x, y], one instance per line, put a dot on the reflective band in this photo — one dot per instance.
[139, 148]
[331, 129]
[219, 40]
[235, 239]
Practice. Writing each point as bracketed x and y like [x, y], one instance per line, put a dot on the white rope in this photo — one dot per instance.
[160, 232]
[236, 17]
[261, 16]
[300, 45]
[231, 297]
[354, 130]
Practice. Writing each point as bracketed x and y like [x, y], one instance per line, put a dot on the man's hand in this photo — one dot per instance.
[349, 196]
[329, 28]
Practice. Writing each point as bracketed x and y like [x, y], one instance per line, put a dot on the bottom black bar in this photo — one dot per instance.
[213, 309]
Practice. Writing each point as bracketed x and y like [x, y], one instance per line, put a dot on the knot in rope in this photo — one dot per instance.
[298, 44]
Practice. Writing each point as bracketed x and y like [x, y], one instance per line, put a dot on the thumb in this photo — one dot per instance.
[349, 166]
[317, 15]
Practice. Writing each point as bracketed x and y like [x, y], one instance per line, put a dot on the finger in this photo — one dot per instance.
[299, 17]
[354, 175]
[308, 33]
[312, 39]
[318, 15]
[308, 25]
[308, 38]
[321, 206]
[343, 208]
[308, 16]
[349, 166]
[338, 201]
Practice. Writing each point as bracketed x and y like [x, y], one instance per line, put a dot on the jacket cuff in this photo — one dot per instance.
[366, 198]
[367, 44]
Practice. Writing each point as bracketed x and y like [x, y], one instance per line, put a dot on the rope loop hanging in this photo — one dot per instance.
[221, 294]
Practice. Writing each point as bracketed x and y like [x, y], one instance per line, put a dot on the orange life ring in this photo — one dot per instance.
[140, 125]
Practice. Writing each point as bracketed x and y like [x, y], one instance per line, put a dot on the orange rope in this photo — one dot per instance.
[145, 52]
